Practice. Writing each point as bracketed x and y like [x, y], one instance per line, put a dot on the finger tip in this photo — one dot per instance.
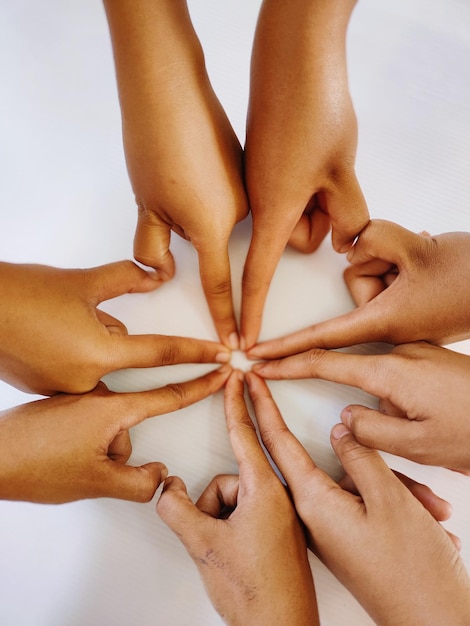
[225, 370]
[223, 356]
[346, 417]
[339, 431]
[233, 341]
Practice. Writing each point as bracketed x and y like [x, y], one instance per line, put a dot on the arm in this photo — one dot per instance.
[381, 544]
[183, 157]
[53, 336]
[68, 448]
[244, 535]
[301, 142]
[408, 287]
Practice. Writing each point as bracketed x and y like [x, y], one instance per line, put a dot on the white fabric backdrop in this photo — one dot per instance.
[65, 200]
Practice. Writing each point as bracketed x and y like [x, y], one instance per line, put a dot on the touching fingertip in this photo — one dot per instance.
[339, 431]
[163, 473]
[346, 417]
[233, 341]
[223, 357]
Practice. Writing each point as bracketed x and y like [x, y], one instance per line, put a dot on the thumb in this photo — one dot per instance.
[177, 510]
[386, 241]
[310, 231]
[348, 211]
[134, 483]
[115, 279]
[365, 466]
[152, 244]
[395, 434]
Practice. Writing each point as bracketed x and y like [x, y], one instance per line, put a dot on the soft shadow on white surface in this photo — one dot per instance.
[65, 200]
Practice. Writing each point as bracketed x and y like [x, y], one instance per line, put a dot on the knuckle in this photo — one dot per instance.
[169, 353]
[273, 437]
[315, 358]
[221, 289]
[178, 395]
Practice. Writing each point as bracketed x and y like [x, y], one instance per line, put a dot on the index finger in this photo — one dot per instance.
[154, 350]
[138, 406]
[371, 373]
[296, 466]
[261, 262]
[214, 269]
[366, 324]
[245, 444]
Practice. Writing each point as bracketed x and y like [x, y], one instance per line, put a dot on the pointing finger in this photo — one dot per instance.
[214, 269]
[246, 447]
[154, 350]
[138, 406]
[293, 461]
[372, 373]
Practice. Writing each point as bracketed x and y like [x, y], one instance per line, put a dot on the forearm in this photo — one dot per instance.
[299, 54]
[311, 33]
[156, 51]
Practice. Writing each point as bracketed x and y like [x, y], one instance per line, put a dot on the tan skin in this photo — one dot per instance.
[243, 533]
[301, 143]
[53, 336]
[423, 391]
[249, 550]
[408, 287]
[183, 158]
[71, 447]
[186, 164]
[419, 578]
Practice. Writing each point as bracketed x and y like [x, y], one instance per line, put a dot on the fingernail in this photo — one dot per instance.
[225, 369]
[233, 341]
[223, 357]
[163, 473]
[249, 379]
[339, 431]
[257, 367]
[242, 344]
[346, 417]
[239, 374]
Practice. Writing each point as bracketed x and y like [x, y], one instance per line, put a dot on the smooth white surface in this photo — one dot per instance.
[65, 200]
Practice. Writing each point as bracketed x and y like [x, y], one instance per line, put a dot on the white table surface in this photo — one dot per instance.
[65, 200]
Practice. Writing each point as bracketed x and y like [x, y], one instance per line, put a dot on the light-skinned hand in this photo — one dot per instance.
[183, 157]
[382, 544]
[408, 287]
[301, 143]
[244, 535]
[424, 392]
[72, 447]
[54, 338]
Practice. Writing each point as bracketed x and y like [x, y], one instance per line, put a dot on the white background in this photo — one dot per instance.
[65, 200]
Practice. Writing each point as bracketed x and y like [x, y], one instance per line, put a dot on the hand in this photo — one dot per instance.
[301, 143]
[424, 392]
[382, 545]
[73, 447]
[54, 338]
[408, 288]
[183, 158]
[243, 533]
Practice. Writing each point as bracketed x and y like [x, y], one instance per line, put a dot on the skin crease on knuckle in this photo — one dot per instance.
[177, 392]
